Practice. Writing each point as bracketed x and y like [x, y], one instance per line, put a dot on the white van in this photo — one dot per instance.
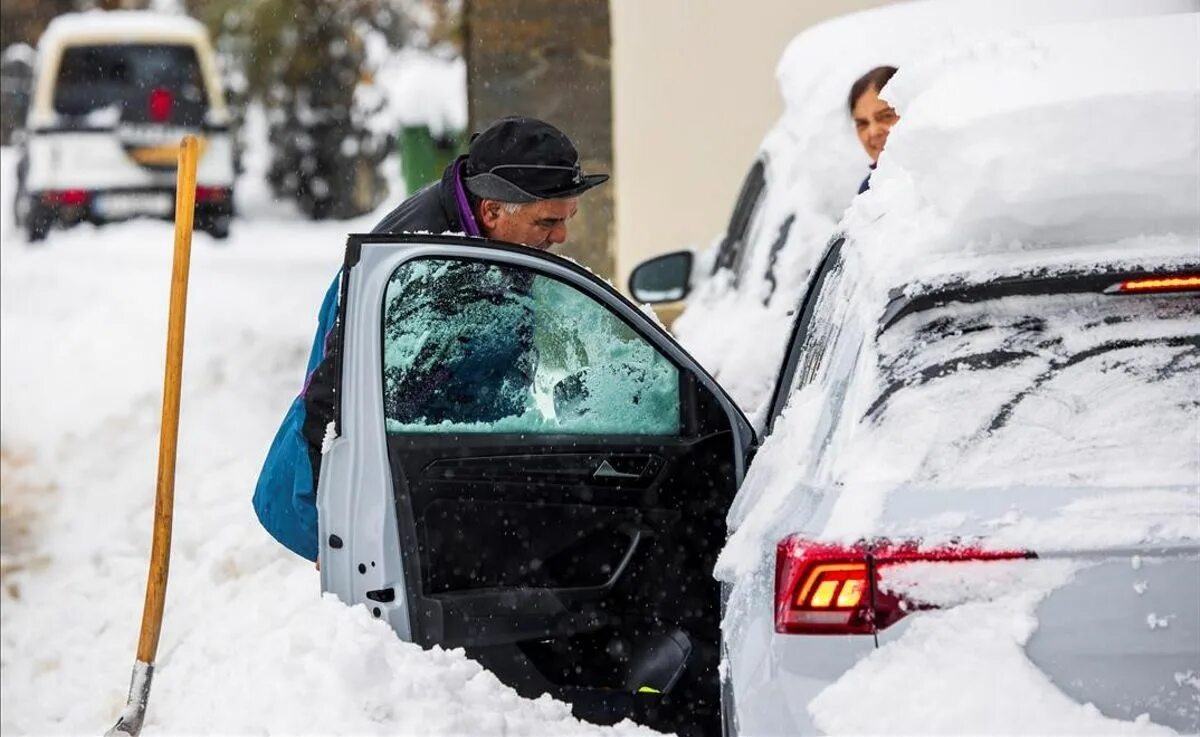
[114, 92]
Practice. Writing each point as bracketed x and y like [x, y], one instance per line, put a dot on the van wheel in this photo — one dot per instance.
[37, 225]
[218, 227]
[22, 202]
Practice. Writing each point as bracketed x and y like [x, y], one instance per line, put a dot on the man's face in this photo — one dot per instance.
[538, 225]
[873, 118]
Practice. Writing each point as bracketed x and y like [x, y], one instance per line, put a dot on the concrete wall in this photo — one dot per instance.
[550, 59]
[694, 93]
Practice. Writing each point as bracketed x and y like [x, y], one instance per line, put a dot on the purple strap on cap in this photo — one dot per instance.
[470, 227]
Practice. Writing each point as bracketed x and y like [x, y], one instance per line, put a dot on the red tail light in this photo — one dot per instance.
[823, 589]
[67, 197]
[211, 194]
[1165, 283]
[161, 101]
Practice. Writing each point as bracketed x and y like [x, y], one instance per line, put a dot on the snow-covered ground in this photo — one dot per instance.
[248, 644]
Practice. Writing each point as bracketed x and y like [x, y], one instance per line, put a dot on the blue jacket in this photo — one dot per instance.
[285, 498]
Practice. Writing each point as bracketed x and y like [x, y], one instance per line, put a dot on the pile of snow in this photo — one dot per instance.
[1060, 135]
[248, 646]
[19, 52]
[424, 88]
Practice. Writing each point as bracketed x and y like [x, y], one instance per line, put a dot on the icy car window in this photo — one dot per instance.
[481, 348]
[1070, 389]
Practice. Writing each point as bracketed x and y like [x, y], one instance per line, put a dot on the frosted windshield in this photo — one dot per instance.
[481, 348]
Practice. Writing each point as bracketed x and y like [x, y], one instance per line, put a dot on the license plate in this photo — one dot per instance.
[127, 204]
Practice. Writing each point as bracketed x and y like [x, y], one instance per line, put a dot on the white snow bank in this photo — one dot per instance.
[248, 644]
[21, 52]
[424, 88]
[923, 684]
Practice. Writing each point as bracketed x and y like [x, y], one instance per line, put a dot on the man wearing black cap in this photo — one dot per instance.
[519, 183]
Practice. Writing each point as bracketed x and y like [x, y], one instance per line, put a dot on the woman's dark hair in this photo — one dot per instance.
[872, 80]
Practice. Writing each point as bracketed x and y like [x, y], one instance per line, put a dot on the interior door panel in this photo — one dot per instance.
[564, 581]
[552, 539]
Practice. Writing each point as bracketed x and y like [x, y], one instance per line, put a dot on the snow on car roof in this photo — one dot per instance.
[1060, 137]
[832, 54]
[818, 67]
[121, 24]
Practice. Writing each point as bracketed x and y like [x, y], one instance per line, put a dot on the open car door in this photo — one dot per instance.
[528, 467]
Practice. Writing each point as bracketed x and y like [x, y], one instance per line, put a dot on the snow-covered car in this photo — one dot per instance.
[114, 93]
[976, 507]
[742, 292]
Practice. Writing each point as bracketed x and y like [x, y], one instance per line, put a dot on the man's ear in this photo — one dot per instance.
[489, 213]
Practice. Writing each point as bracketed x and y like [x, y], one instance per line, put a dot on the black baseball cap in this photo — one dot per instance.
[518, 159]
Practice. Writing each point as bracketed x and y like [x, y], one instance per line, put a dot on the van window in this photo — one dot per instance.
[91, 77]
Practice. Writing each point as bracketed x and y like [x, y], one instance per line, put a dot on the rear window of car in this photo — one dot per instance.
[91, 77]
[1058, 389]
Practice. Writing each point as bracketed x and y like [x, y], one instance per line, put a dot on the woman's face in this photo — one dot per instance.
[873, 118]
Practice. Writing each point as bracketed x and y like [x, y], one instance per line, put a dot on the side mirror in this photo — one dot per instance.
[661, 279]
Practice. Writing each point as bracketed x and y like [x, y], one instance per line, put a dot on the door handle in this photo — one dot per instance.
[606, 471]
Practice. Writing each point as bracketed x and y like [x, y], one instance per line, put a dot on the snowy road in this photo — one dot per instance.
[248, 645]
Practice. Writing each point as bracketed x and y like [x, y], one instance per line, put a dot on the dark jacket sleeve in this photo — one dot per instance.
[285, 497]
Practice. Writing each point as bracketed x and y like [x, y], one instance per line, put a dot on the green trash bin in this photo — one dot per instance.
[423, 156]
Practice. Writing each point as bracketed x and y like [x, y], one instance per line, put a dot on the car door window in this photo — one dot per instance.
[732, 251]
[488, 348]
[813, 334]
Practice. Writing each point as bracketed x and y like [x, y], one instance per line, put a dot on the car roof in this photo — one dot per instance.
[122, 25]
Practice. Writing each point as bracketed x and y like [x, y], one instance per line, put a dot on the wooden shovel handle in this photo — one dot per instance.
[164, 500]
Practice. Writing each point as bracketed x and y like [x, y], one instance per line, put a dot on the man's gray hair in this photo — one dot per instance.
[512, 208]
